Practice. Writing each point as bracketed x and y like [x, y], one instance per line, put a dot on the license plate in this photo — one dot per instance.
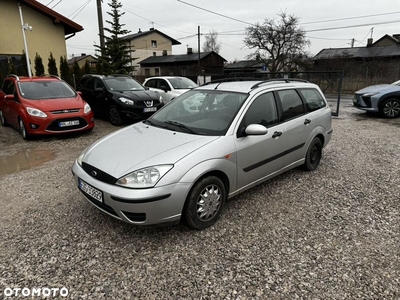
[149, 109]
[68, 123]
[91, 191]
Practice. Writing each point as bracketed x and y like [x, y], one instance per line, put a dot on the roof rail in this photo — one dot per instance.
[283, 80]
[50, 75]
[13, 75]
[119, 75]
[230, 79]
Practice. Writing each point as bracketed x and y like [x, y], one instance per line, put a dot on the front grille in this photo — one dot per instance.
[143, 103]
[65, 111]
[98, 174]
[54, 126]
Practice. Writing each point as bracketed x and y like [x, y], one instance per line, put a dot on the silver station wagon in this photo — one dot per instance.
[206, 146]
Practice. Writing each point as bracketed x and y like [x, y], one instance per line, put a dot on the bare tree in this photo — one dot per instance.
[211, 43]
[277, 43]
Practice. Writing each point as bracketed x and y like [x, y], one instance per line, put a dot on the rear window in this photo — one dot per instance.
[39, 90]
[314, 99]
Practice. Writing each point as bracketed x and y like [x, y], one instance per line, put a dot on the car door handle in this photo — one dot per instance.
[307, 121]
[276, 134]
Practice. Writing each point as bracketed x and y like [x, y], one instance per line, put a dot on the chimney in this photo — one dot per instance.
[140, 30]
[369, 42]
[189, 51]
[164, 52]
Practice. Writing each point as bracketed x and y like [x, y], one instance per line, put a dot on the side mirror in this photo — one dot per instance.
[164, 88]
[9, 97]
[256, 129]
[99, 89]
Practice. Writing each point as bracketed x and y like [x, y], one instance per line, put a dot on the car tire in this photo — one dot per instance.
[390, 108]
[204, 203]
[114, 116]
[313, 155]
[22, 129]
[2, 119]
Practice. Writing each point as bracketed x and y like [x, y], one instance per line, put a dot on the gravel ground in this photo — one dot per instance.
[328, 234]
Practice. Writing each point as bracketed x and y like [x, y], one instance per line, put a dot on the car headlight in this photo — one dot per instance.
[370, 94]
[80, 158]
[36, 112]
[126, 101]
[86, 108]
[144, 178]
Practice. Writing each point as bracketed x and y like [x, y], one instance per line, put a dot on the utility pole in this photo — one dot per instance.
[198, 45]
[25, 27]
[101, 27]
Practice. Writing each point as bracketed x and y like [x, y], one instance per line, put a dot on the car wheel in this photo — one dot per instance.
[114, 116]
[390, 108]
[204, 203]
[2, 119]
[22, 129]
[313, 155]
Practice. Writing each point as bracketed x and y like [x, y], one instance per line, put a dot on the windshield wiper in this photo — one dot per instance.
[180, 125]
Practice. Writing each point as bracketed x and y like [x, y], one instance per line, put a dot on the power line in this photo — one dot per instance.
[56, 4]
[215, 13]
[353, 26]
[351, 18]
[78, 11]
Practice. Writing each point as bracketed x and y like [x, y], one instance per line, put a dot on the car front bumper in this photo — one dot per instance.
[365, 103]
[150, 206]
[50, 126]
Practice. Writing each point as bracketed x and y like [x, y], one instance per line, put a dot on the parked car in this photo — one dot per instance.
[43, 106]
[182, 164]
[383, 99]
[119, 97]
[169, 87]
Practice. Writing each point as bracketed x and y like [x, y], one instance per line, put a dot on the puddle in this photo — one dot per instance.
[25, 160]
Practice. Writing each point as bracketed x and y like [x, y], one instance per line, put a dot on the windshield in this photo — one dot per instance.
[182, 83]
[123, 84]
[39, 90]
[200, 112]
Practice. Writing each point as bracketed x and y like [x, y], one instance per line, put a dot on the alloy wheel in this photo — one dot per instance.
[391, 109]
[208, 202]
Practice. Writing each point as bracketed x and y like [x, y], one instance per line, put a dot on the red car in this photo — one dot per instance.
[43, 105]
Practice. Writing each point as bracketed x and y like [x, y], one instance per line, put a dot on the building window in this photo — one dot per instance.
[154, 43]
[154, 54]
[157, 71]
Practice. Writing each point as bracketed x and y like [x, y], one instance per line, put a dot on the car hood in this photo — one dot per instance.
[139, 145]
[377, 88]
[138, 95]
[56, 104]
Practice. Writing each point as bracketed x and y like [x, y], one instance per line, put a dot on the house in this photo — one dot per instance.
[46, 32]
[189, 64]
[148, 44]
[244, 67]
[82, 59]
[377, 62]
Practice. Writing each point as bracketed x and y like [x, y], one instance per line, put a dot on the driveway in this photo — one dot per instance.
[328, 234]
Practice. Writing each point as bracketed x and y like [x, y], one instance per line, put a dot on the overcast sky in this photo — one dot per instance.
[180, 20]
